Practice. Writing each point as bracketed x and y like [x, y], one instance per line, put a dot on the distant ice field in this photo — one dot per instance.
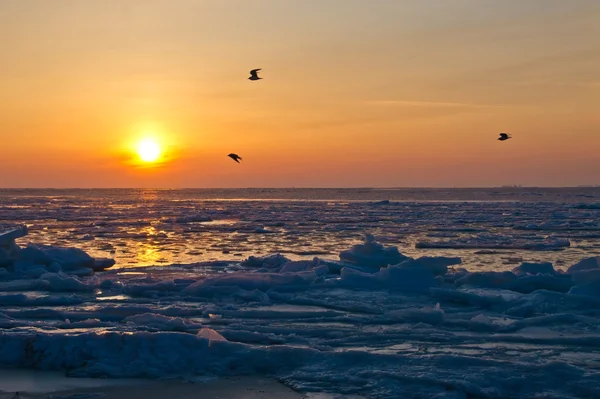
[490, 229]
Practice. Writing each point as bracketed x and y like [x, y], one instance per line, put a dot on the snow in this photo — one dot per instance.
[381, 320]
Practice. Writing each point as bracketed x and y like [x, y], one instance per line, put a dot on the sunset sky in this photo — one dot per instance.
[378, 93]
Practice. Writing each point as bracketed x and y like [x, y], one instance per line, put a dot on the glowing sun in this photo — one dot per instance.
[148, 150]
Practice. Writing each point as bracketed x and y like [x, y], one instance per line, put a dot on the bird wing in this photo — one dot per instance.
[254, 72]
[503, 135]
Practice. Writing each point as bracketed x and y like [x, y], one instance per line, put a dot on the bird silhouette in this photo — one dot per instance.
[235, 157]
[254, 74]
[503, 137]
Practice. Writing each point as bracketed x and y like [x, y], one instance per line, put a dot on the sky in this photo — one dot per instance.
[355, 93]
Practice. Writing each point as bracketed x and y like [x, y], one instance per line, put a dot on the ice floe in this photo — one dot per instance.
[37, 260]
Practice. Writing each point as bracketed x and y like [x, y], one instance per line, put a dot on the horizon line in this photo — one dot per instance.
[305, 188]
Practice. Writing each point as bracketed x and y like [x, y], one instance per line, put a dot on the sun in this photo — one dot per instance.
[148, 150]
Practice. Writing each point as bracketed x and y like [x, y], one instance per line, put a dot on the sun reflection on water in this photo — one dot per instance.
[150, 251]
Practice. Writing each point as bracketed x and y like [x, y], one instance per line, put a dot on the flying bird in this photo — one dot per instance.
[235, 157]
[254, 74]
[503, 137]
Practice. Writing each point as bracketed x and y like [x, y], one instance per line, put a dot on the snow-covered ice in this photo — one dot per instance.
[374, 317]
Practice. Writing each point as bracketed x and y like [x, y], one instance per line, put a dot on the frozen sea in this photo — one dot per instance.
[382, 293]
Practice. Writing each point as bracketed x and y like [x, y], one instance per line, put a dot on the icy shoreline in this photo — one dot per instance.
[376, 323]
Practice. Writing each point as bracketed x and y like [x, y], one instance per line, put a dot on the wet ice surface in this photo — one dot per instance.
[432, 327]
[491, 229]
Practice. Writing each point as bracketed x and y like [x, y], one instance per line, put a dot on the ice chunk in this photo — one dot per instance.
[6, 322]
[321, 270]
[472, 297]
[62, 282]
[211, 335]
[585, 272]
[585, 276]
[534, 268]
[372, 254]
[589, 289]
[19, 285]
[531, 283]
[102, 264]
[22, 265]
[587, 206]
[71, 260]
[251, 296]
[35, 254]
[7, 237]
[355, 278]
[487, 279]
[28, 268]
[81, 272]
[407, 279]
[333, 266]
[437, 265]
[191, 219]
[68, 258]
[8, 254]
[427, 315]
[271, 261]
[299, 266]
[250, 281]
[392, 278]
[55, 267]
[482, 319]
[493, 242]
[158, 321]
[509, 281]
[585, 264]
[23, 300]
[5, 258]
